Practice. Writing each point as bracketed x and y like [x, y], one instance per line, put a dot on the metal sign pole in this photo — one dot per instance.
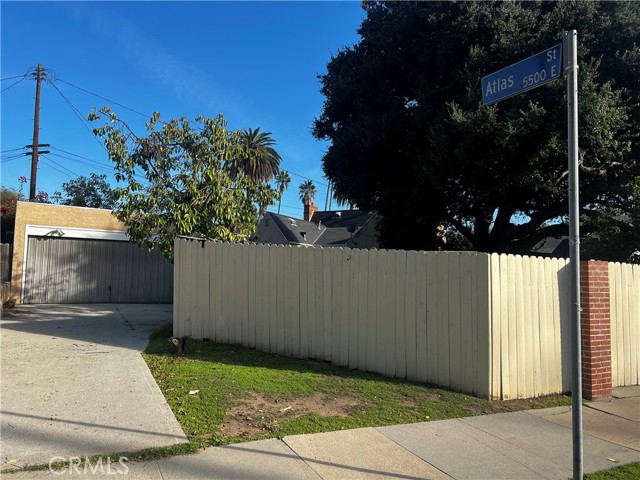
[524, 75]
[571, 45]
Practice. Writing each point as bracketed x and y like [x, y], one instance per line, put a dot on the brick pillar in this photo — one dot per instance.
[596, 330]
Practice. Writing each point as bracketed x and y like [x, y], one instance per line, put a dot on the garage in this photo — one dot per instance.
[67, 254]
[93, 270]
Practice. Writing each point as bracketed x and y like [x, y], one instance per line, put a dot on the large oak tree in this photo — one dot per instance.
[410, 138]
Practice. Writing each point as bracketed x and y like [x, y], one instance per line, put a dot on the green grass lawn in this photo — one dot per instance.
[630, 471]
[224, 394]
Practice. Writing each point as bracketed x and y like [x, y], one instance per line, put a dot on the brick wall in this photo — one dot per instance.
[596, 330]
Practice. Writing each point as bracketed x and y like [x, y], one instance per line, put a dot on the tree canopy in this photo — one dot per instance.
[9, 197]
[616, 236]
[307, 191]
[93, 192]
[258, 159]
[282, 183]
[180, 179]
[410, 138]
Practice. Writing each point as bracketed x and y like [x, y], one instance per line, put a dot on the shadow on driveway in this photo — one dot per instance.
[117, 325]
[74, 383]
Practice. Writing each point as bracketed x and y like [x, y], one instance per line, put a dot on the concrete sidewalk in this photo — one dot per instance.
[534, 444]
[74, 383]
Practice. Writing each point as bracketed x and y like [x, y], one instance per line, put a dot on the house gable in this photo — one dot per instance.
[269, 232]
[348, 228]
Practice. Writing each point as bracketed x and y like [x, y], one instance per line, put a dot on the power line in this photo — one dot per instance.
[84, 123]
[77, 113]
[149, 116]
[72, 154]
[13, 84]
[12, 150]
[307, 178]
[12, 78]
[104, 98]
[46, 160]
[86, 164]
[108, 166]
[61, 166]
[93, 164]
[289, 207]
[83, 160]
[11, 158]
[15, 154]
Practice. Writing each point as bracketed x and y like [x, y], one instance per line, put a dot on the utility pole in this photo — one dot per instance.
[326, 200]
[36, 132]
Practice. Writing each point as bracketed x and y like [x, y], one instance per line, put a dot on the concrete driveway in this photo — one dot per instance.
[73, 382]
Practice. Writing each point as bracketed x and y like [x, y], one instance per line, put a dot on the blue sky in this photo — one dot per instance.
[256, 63]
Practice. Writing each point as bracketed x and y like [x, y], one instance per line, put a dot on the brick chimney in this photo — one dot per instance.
[309, 209]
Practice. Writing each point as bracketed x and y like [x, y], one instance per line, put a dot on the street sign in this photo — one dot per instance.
[524, 75]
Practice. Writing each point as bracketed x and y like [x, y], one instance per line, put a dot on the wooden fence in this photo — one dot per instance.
[416, 315]
[530, 317]
[5, 262]
[491, 325]
[624, 282]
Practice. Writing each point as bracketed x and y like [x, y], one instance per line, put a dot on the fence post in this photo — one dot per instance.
[597, 381]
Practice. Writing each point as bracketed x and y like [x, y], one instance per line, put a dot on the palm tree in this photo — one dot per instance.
[259, 161]
[282, 181]
[307, 191]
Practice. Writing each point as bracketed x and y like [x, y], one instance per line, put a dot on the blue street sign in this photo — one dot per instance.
[524, 75]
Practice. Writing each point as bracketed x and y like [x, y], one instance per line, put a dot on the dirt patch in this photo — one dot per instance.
[260, 414]
[414, 398]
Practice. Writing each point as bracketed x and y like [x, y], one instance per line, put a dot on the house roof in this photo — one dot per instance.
[296, 230]
[327, 228]
[341, 218]
[557, 247]
[334, 236]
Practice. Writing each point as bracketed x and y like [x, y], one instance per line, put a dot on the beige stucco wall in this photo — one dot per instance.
[53, 216]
